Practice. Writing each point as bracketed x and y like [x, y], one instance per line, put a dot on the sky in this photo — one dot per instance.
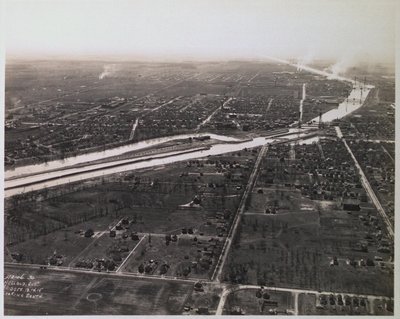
[345, 30]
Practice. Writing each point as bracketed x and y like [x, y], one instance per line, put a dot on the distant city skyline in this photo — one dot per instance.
[347, 31]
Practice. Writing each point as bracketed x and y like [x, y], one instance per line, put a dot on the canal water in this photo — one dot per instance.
[43, 180]
[16, 178]
[89, 157]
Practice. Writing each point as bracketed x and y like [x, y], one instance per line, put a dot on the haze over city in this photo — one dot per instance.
[203, 30]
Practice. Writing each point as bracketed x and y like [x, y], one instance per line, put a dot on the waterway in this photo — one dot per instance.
[89, 157]
[40, 176]
[50, 179]
[353, 102]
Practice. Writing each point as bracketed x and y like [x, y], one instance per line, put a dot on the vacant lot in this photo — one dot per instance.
[80, 294]
[68, 242]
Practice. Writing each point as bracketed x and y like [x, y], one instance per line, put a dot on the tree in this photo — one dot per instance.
[141, 268]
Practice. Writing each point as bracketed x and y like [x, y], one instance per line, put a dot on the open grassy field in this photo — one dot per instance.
[296, 248]
[79, 294]
[68, 242]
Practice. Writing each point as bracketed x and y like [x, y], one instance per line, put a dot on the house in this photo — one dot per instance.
[89, 233]
[237, 311]
[237, 177]
[351, 204]
[198, 286]
[134, 236]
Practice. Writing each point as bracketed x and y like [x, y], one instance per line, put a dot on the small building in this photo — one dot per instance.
[89, 233]
[351, 204]
[134, 236]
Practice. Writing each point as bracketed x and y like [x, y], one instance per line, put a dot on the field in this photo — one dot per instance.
[295, 234]
[193, 201]
[72, 294]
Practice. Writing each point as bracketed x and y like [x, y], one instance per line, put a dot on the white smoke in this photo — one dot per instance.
[340, 67]
[305, 60]
[108, 70]
[345, 62]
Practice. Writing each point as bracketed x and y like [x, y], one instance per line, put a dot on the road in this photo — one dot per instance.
[228, 290]
[253, 77]
[269, 104]
[368, 188]
[388, 154]
[98, 236]
[130, 254]
[92, 272]
[231, 234]
[296, 304]
[213, 113]
[134, 126]
[164, 104]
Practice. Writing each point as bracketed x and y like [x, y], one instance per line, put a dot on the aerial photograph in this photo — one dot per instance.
[199, 157]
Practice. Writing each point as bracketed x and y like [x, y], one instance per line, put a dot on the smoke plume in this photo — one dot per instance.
[108, 70]
[305, 60]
